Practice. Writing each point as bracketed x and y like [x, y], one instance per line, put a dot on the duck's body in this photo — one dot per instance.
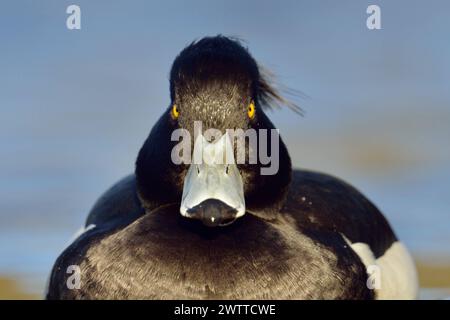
[283, 234]
[304, 254]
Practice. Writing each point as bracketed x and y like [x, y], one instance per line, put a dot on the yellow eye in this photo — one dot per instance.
[251, 110]
[174, 112]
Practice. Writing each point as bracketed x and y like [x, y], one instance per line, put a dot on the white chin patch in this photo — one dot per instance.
[213, 175]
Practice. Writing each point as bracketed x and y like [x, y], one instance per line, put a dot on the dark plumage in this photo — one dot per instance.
[289, 244]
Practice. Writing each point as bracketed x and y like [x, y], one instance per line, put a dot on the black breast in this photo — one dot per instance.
[165, 256]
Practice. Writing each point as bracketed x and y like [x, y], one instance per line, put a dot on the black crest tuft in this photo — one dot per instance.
[226, 58]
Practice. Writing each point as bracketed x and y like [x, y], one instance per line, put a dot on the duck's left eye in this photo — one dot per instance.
[175, 113]
[251, 110]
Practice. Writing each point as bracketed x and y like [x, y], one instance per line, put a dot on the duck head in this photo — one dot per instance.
[214, 151]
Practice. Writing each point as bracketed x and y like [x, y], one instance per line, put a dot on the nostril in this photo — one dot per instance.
[198, 169]
[227, 169]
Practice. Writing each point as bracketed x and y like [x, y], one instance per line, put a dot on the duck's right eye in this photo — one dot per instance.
[251, 110]
[174, 112]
